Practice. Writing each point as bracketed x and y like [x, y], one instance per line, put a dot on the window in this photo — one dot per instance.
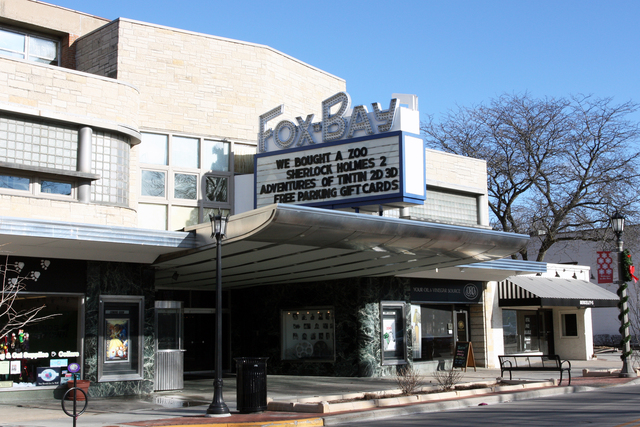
[183, 178]
[216, 188]
[569, 325]
[17, 44]
[55, 187]
[216, 155]
[16, 183]
[185, 186]
[153, 183]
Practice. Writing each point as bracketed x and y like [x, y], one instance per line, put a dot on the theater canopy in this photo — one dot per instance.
[284, 243]
[518, 291]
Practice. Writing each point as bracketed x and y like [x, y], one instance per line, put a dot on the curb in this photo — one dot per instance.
[447, 405]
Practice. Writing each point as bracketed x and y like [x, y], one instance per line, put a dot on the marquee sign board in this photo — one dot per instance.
[383, 170]
[380, 168]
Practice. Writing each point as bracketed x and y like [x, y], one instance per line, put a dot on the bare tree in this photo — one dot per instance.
[557, 168]
[13, 282]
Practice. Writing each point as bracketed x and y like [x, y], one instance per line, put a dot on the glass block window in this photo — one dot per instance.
[22, 45]
[189, 175]
[454, 208]
[444, 206]
[43, 144]
[38, 143]
[110, 156]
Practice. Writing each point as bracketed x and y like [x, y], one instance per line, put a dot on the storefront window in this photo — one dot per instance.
[308, 334]
[437, 339]
[527, 331]
[510, 331]
[39, 352]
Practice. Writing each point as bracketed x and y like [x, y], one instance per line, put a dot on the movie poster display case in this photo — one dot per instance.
[308, 334]
[120, 338]
[393, 329]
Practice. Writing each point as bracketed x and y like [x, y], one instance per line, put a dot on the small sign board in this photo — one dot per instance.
[48, 376]
[463, 356]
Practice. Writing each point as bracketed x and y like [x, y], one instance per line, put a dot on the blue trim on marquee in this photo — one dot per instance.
[401, 197]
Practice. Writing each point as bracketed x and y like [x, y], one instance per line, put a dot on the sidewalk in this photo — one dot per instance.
[187, 407]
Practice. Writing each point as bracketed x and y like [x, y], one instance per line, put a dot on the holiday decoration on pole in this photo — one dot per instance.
[627, 271]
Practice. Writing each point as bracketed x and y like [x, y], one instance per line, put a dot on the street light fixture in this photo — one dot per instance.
[617, 224]
[218, 229]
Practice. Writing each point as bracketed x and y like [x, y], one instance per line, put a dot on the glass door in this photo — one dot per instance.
[462, 326]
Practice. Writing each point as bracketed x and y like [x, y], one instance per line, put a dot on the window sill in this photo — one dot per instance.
[50, 171]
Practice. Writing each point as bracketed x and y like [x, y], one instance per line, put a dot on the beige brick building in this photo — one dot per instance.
[119, 138]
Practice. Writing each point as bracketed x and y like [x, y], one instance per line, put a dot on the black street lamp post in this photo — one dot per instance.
[617, 224]
[218, 408]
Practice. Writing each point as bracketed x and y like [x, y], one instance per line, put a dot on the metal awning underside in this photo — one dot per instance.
[291, 244]
[518, 291]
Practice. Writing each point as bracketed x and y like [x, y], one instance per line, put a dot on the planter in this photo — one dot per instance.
[82, 384]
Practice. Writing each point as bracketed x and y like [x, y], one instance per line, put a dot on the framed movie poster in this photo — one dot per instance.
[117, 340]
[393, 330]
[120, 343]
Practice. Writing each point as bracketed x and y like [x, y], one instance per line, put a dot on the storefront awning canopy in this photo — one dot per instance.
[292, 244]
[518, 291]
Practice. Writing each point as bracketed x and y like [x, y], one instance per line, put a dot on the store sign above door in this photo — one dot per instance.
[363, 161]
[449, 291]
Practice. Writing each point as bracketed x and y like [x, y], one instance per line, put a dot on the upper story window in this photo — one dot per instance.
[17, 183]
[17, 44]
[182, 180]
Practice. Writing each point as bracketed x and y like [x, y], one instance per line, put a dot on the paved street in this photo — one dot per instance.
[610, 407]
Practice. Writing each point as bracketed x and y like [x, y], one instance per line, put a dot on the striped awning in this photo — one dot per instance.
[518, 291]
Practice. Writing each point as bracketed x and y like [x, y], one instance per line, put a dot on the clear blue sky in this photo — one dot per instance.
[447, 52]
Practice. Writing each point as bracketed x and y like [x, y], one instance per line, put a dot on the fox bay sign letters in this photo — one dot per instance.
[361, 161]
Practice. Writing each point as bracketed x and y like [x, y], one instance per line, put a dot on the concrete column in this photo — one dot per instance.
[85, 137]
[483, 210]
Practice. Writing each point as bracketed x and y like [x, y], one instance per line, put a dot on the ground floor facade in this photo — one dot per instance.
[317, 292]
[106, 319]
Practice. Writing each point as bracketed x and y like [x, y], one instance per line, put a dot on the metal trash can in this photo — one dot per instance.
[251, 384]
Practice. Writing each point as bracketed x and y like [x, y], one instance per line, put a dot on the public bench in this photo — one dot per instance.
[539, 362]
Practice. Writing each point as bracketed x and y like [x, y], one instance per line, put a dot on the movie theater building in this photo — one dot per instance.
[350, 249]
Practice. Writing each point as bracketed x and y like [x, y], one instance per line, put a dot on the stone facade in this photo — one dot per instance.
[61, 94]
[456, 172]
[201, 84]
[356, 304]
